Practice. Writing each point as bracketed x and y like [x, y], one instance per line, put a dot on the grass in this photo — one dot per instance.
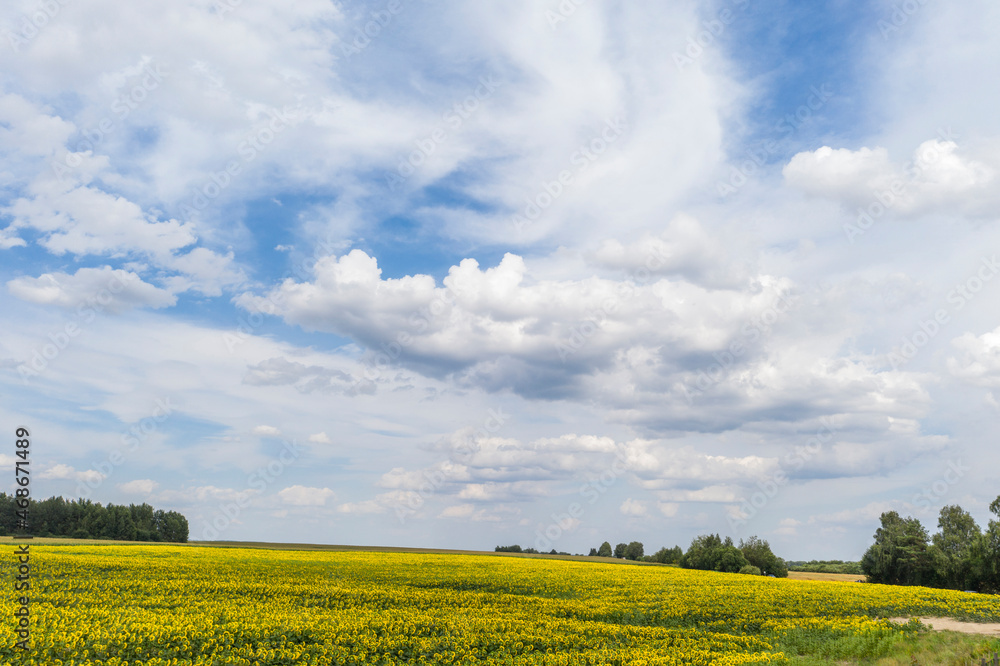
[919, 646]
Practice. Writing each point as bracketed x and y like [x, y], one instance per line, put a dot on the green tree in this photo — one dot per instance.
[634, 551]
[900, 554]
[985, 555]
[605, 550]
[750, 570]
[758, 553]
[710, 553]
[173, 527]
[956, 544]
[620, 550]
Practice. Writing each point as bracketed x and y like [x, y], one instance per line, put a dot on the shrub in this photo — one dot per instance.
[750, 570]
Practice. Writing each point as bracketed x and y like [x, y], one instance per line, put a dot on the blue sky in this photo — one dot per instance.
[537, 273]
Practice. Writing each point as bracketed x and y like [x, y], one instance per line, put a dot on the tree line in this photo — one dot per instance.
[708, 552]
[826, 566]
[83, 519]
[959, 556]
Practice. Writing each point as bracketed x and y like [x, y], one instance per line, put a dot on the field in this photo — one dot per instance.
[186, 605]
[810, 575]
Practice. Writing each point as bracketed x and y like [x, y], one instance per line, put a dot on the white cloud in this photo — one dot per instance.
[304, 496]
[788, 527]
[631, 507]
[88, 221]
[668, 509]
[979, 360]
[683, 249]
[320, 438]
[938, 175]
[364, 507]
[90, 476]
[111, 290]
[502, 328]
[60, 471]
[458, 511]
[266, 431]
[139, 486]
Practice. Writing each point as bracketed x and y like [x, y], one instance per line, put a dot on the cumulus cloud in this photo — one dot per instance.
[668, 509]
[685, 249]
[266, 431]
[90, 476]
[458, 511]
[937, 175]
[978, 362]
[788, 527]
[499, 328]
[304, 496]
[59, 471]
[139, 486]
[320, 438]
[112, 290]
[85, 220]
[363, 507]
[631, 507]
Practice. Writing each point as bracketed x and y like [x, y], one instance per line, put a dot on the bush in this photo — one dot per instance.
[750, 570]
[508, 549]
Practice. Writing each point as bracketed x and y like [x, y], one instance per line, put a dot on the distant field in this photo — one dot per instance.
[56, 541]
[316, 605]
[808, 575]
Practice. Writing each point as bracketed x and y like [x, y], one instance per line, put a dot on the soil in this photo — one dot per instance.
[949, 624]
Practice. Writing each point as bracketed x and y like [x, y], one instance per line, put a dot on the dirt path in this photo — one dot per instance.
[948, 624]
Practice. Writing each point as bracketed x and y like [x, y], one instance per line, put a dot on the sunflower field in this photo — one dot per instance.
[181, 605]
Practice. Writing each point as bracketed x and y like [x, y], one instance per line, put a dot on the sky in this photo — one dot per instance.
[460, 275]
